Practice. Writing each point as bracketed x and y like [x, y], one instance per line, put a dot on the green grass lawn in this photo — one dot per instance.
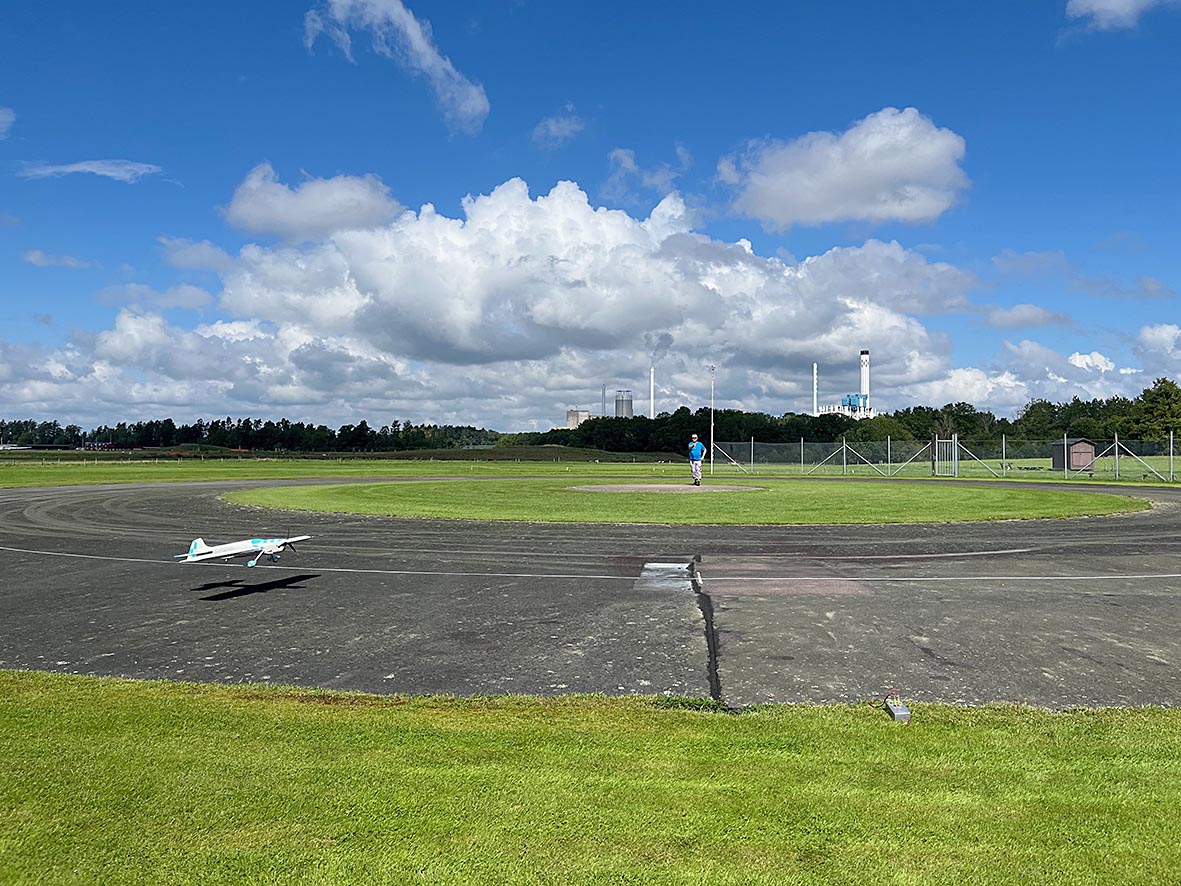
[112, 781]
[52, 470]
[71, 473]
[776, 502]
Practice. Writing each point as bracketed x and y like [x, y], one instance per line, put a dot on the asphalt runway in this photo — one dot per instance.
[1080, 612]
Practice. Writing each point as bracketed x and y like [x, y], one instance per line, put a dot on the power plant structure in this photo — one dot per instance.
[623, 404]
[855, 406]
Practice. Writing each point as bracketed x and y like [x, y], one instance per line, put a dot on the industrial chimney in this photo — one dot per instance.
[865, 378]
[815, 406]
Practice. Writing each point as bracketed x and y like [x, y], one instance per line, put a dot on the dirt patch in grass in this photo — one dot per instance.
[661, 487]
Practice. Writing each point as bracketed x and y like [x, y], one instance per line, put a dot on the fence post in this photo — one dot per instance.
[1170, 456]
[1116, 454]
[955, 454]
[1004, 470]
[844, 459]
[1066, 459]
[801, 455]
[888, 459]
[752, 455]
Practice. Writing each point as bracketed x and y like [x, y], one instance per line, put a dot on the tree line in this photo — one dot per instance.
[1150, 416]
[248, 433]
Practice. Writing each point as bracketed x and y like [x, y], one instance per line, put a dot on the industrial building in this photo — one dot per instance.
[624, 406]
[855, 406]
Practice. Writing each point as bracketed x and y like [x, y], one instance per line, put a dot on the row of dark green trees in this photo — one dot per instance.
[248, 433]
[1150, 416]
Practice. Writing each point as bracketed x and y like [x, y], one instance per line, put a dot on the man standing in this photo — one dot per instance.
[696, 454]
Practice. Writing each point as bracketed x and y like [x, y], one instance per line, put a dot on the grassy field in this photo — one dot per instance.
[778, 502]
[110, 781]
[69, 473]
[65, 469]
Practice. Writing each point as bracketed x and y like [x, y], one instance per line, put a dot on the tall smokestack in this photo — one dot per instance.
[865, 377]
[815, 406]
[652, 392]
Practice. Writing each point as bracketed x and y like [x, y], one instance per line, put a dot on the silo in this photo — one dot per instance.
[623, 404]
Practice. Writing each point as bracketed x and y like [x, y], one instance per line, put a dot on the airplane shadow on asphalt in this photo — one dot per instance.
[239, 589]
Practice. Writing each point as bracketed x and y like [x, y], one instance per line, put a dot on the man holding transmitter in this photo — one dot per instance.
[696, 454]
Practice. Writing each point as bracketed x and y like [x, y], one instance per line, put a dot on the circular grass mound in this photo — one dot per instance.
[552, 500]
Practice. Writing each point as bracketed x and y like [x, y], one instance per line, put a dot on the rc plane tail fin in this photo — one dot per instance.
[197, 548]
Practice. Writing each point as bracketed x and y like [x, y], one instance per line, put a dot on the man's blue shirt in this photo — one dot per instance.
[696, 451]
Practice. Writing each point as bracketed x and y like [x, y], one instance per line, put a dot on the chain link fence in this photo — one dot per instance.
[1066, 458]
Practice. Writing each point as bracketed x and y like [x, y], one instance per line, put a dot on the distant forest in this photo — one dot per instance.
[1151, 416]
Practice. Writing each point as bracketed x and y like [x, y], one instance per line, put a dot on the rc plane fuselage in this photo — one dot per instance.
[255, 548]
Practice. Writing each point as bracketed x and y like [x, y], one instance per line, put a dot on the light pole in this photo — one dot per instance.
[712, 367]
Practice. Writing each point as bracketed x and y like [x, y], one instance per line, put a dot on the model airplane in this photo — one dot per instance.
[255, 548]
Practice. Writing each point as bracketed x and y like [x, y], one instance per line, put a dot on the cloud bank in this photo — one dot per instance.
[522, 306]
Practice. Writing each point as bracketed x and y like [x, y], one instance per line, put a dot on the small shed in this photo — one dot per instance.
[1082, 454]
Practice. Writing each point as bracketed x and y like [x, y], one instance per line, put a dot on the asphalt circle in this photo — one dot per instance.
[1057, 613]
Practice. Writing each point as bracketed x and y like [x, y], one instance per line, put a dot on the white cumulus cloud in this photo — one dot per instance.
[555, 289]
[1092, 362]
[1003, 391]
[894, 165]
[1162, 336]
[317, 207]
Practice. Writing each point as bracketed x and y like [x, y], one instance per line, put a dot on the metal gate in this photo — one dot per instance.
[946, 459]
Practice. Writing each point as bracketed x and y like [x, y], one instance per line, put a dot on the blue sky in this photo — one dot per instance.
[483, 212]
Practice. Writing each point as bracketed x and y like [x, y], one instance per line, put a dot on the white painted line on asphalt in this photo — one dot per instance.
[303, 568]
[80, 556]
[918, 579]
